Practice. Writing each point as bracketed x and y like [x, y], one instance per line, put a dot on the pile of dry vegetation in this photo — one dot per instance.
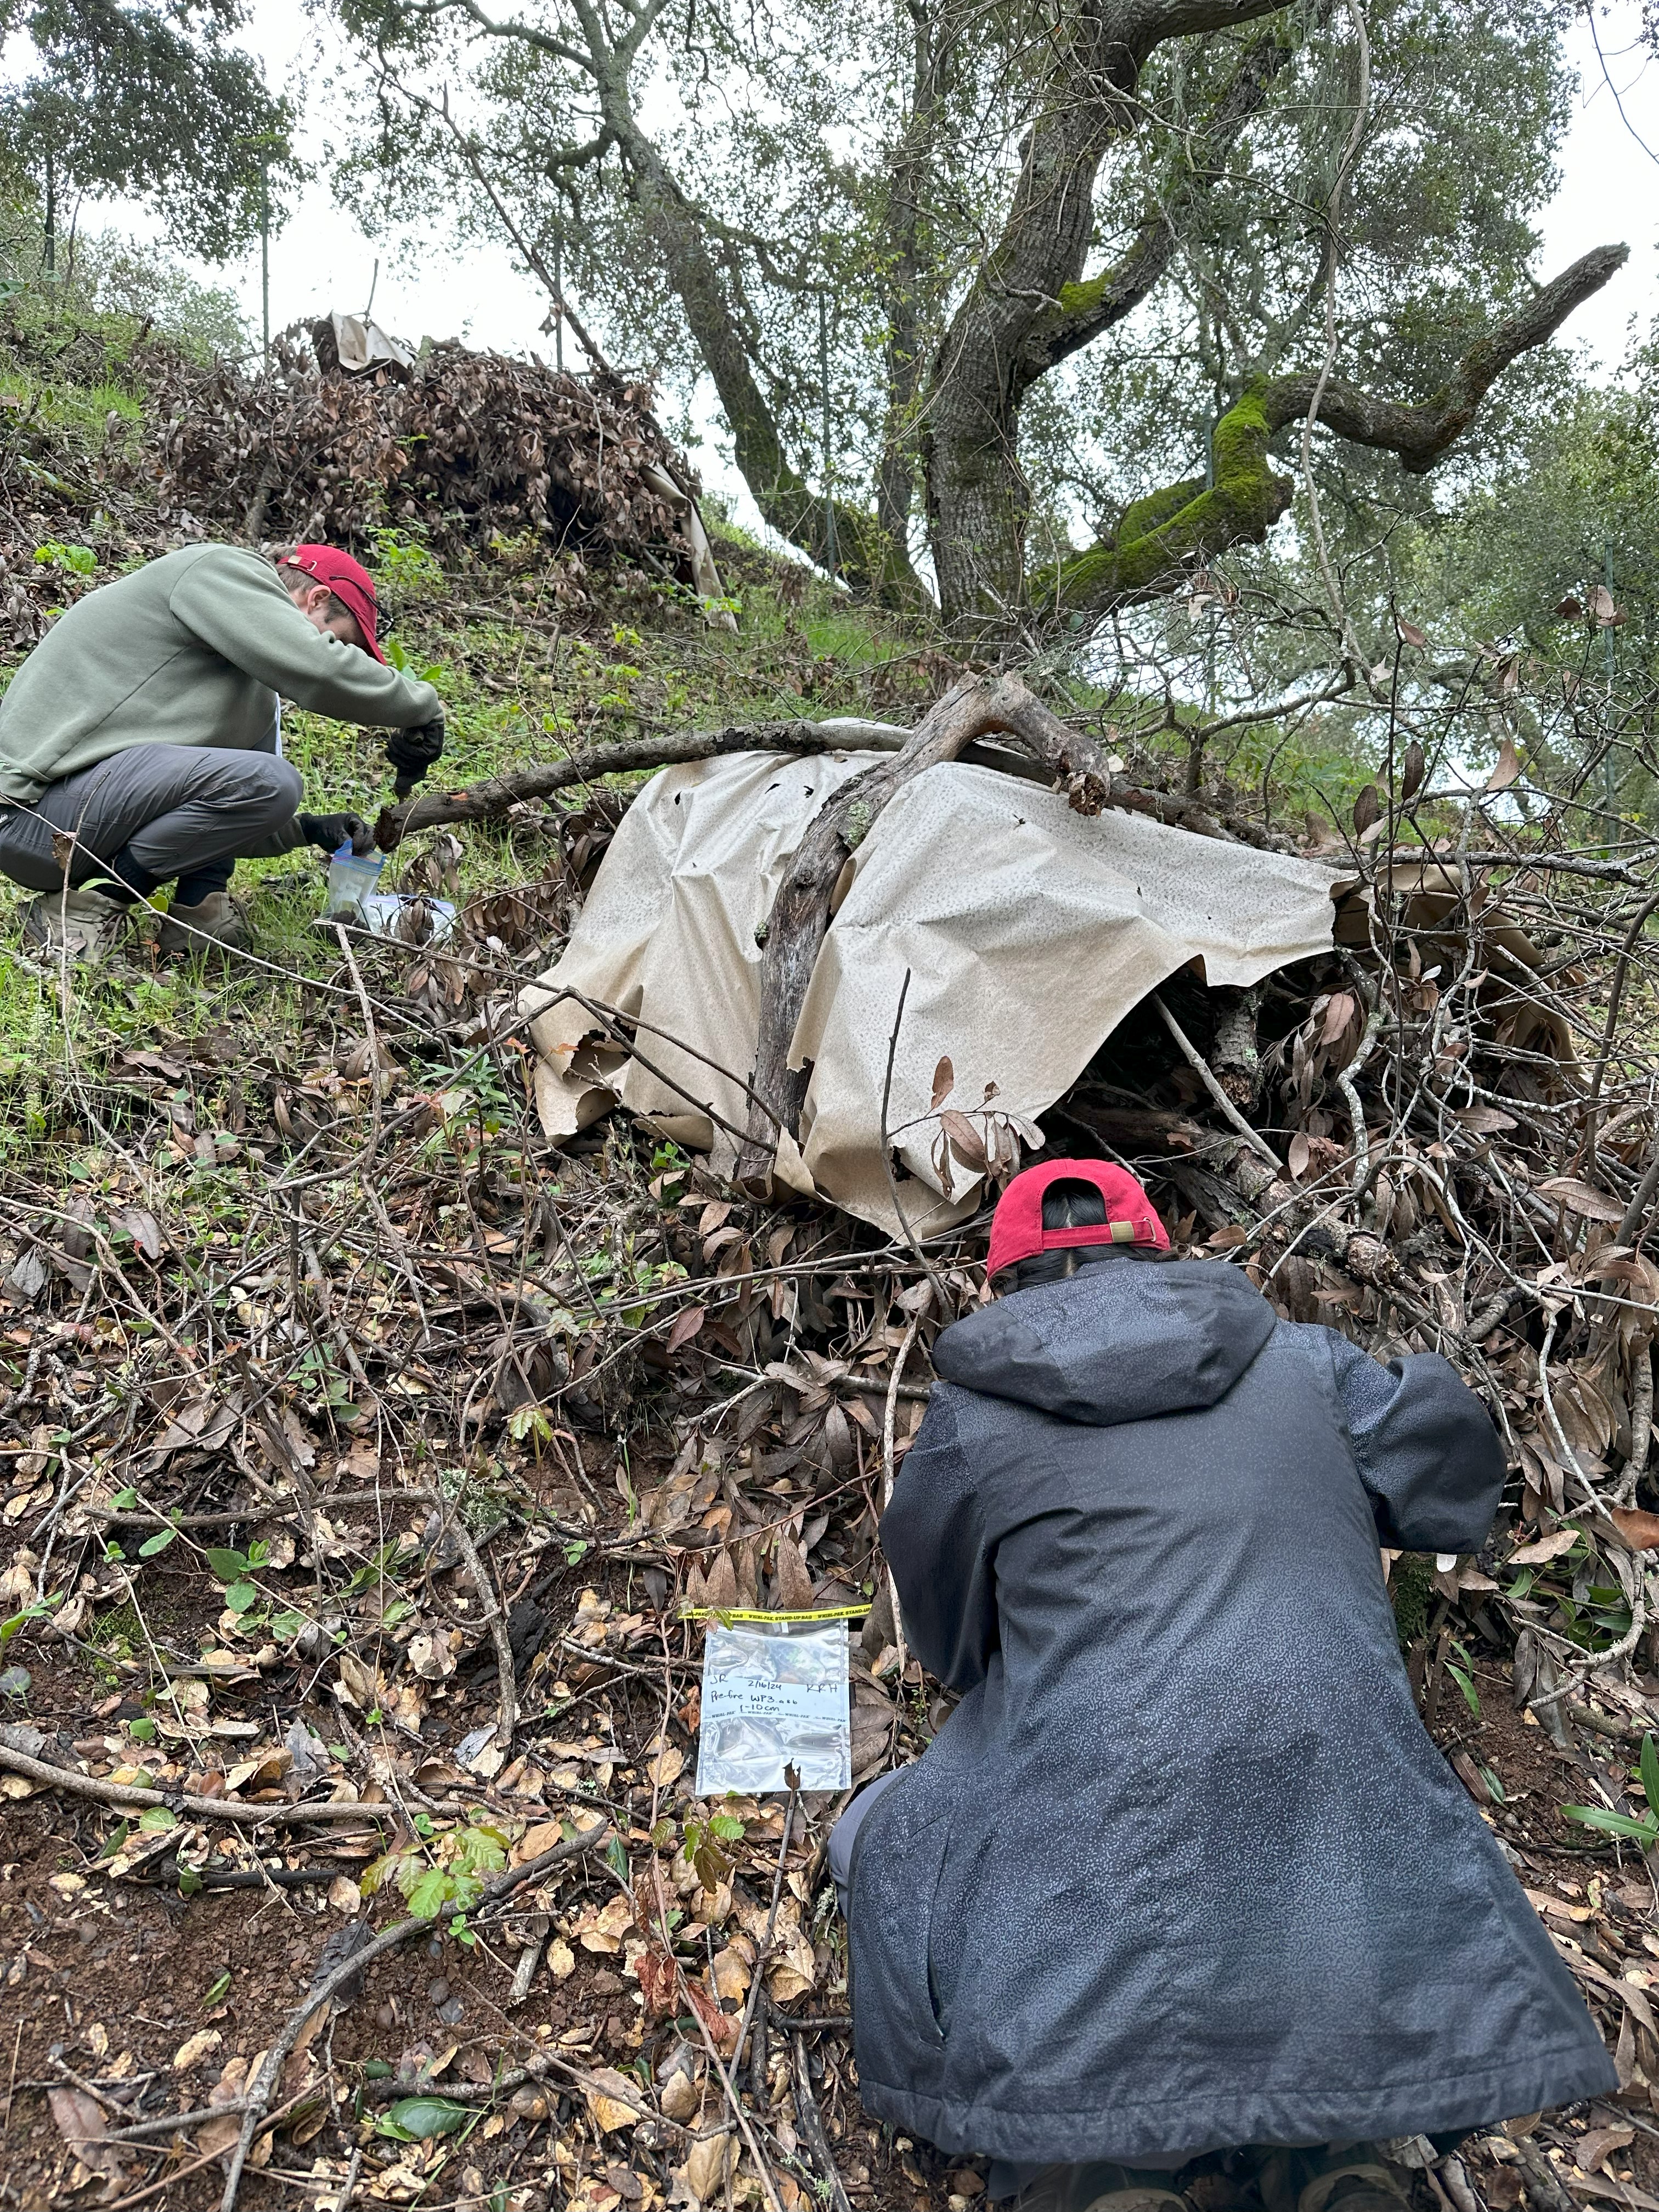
[354, 1520]
[478, 451]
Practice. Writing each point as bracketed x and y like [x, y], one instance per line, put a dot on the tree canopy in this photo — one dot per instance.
[151, 100]
[1086, 267]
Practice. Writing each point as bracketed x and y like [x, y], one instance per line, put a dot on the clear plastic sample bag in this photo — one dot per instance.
[775, 1694]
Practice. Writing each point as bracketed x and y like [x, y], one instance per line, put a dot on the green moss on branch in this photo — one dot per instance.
[1160, 535]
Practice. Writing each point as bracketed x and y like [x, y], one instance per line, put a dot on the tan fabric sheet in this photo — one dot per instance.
[1029, 932]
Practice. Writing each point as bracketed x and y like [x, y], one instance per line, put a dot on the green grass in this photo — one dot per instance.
[83, 410]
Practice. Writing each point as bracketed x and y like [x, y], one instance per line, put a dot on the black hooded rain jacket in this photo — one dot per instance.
[1184, 1869]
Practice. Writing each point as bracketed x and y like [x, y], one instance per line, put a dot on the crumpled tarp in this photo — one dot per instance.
[1029, 932]
[363, 345]
[703, 569]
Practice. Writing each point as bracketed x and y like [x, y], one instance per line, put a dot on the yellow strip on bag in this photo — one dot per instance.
[727, 1614]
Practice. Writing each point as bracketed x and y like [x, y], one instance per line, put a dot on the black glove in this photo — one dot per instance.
[328, 832]
[412, 752]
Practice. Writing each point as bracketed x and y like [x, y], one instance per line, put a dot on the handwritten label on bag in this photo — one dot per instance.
[774, 1696]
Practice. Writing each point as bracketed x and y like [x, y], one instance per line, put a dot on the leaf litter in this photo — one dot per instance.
[361, 1532]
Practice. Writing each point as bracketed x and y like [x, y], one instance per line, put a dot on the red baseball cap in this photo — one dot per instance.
[1017, 1230]
[349, 580]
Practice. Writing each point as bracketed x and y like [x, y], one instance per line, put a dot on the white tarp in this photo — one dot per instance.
[1029, 932]
[363, 345]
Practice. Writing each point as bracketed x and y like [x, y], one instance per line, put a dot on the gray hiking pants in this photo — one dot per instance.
[155, 812]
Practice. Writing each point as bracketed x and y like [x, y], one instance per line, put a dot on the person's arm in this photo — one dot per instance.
[236, 604]
[933, 1536]
[1425, 1446]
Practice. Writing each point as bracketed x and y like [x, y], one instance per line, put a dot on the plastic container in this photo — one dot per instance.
[408, 917]
[351, 878]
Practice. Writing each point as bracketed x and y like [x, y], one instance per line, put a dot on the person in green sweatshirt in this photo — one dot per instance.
[140, 741]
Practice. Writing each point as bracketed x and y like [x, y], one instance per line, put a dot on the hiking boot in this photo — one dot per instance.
[215, 921]
[1356, 2179]
[84, 925]
[1099, 2186]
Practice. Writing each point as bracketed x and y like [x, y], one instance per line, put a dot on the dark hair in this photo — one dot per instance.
[299, 581]
[1071, 1203]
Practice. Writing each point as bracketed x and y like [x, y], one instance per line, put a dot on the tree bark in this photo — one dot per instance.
[972, 707]
[1027, 307]
[1234, 1053]
[488, 800]
[868, 557]
[903, 281]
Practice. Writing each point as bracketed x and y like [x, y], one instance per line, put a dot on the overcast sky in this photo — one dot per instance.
[322, 261]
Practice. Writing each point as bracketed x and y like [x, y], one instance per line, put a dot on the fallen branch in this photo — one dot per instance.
[1548, 863]
[156, 2188]
[497, 795]
[128, 1799]
[506, 1687]
[487, 801]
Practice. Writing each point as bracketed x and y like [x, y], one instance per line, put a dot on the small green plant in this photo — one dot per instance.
[418, 2120]
[383, 1565]
[404, 559]
[444, 1875]
[401, 661]
[152, 1546]
[705, 1846]
[234, 1570]
[530, 1421]
[1462, 1670]
[1643, 1830]
[15, 1623]
[79, 560]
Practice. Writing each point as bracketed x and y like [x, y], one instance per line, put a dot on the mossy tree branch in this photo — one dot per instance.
[1158, 538]
[1085, 310]
[1422, 436]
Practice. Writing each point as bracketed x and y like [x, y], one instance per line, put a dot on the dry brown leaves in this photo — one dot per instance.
[471, 447]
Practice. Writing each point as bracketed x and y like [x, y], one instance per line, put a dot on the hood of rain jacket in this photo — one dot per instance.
[1179, 1340]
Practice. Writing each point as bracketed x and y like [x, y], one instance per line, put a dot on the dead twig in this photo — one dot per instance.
[811, 2127]
[889, 1470]
[916, 1252]
[131, 1800]
[762, 1954]
[1207, 1076]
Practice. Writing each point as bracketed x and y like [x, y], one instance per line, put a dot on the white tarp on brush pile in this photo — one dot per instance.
[1029, 932]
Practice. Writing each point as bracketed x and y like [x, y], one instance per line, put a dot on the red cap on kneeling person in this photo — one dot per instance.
[350, 583]
[1017, 1230]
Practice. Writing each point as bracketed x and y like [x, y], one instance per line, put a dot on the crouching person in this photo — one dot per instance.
[1184, 1872]
[139, 742]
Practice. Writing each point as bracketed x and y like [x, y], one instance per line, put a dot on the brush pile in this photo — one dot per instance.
[469, 447]
[471, 452]
[370, 1453]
